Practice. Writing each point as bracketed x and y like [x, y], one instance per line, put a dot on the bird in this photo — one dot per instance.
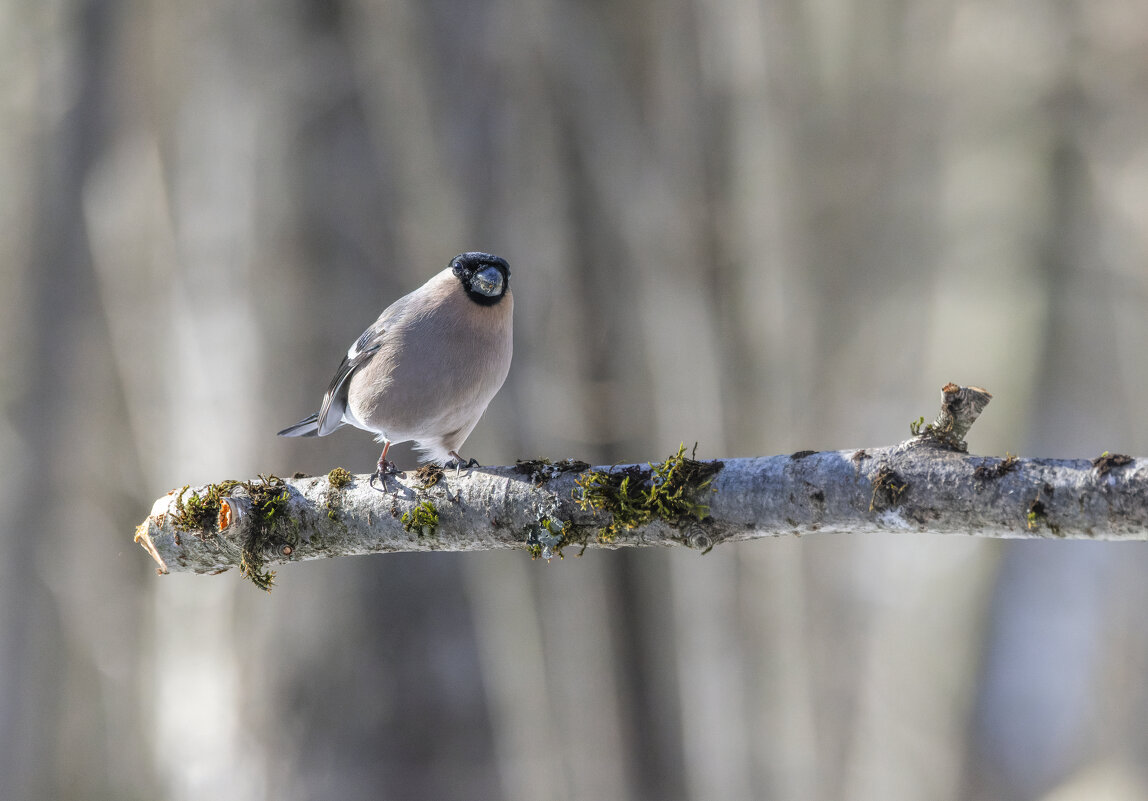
[428, 367]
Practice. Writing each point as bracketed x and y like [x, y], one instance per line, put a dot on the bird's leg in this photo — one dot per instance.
[457, 463]
[384, 467]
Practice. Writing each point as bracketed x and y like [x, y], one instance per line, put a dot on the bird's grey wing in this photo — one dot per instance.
[335, 401]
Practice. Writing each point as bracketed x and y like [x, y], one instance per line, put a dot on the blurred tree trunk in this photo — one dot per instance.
[67, 637]
[771, 210]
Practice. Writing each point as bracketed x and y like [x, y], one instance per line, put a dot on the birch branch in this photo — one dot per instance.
[928, 483]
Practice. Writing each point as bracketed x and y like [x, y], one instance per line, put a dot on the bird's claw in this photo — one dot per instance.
[458, 464]
[383, 470]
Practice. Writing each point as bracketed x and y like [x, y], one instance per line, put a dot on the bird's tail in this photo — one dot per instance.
[307, 427]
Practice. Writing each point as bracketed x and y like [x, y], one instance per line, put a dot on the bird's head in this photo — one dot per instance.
[484, 277]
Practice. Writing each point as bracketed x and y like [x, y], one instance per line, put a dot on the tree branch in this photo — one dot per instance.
[926, 484]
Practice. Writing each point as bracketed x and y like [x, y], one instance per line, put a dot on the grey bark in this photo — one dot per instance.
[911, 487]
[926, 484]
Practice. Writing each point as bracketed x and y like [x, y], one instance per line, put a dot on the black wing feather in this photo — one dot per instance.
[335, 401]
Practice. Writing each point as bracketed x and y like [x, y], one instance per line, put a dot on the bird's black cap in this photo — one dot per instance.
[484, 276]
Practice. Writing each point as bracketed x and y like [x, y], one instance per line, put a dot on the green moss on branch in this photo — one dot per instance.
[633, 496]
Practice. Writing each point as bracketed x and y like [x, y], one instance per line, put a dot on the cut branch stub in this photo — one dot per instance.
[960, 408]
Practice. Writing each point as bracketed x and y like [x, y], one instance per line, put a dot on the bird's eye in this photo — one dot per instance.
[487, 281]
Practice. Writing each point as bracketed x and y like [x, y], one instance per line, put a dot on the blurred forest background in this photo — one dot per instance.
[763, 227]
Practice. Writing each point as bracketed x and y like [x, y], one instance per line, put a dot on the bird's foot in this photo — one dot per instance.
[457, 464]
[383, 470]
